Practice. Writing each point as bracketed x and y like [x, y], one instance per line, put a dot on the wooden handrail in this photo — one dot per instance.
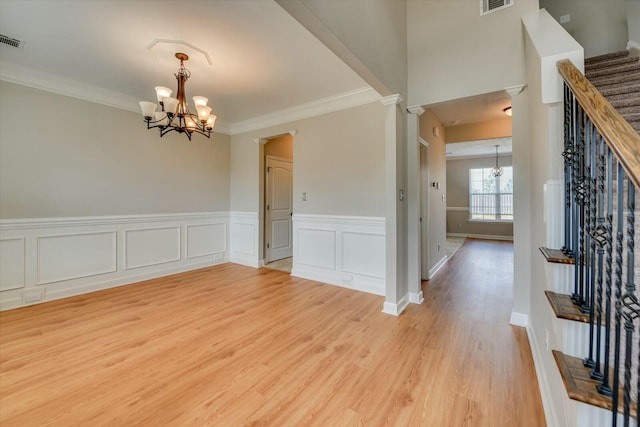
[621, 138]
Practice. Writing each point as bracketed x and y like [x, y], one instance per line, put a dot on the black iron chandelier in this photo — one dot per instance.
[175, 115]
[496, 171]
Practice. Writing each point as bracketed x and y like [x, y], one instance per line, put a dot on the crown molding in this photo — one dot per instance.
[14, 73]
[514, 90]
[342, 101]
[41, 80]
[392, 99]
[416, 109]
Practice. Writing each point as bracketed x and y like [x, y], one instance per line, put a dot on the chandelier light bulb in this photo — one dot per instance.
[211, 121]
[148, 108]
[200, 100]
[162, 92]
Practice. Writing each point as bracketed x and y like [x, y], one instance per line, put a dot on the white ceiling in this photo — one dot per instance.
[480, 148]
[475, 109]
[263, 60]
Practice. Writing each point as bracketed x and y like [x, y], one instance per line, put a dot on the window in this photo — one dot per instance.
[490, 198]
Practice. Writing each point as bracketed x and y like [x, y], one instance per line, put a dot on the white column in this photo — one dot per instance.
[394, 303]
[413, 205]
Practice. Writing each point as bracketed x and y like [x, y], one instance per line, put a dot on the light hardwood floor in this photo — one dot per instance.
[231, 345]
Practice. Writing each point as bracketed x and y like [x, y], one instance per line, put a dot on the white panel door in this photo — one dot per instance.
[279, 209]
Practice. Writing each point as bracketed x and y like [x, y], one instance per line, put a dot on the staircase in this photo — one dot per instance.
[617, 76]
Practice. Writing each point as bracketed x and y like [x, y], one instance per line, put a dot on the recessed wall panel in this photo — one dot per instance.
[206, 239]
[363, 254]
[243, 238]
[12, 265]
[317, 248]
[73, 256]
[152, 246]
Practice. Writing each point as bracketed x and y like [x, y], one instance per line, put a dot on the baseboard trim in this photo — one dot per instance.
[519, 319]
[248, 261]
[550, 414]
[396, 309]
[416, 297]
[481, 236]
[436, 268]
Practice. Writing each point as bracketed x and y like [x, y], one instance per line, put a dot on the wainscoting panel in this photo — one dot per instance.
[47, 259]
[244, 238]
[151, 246]
[340, 250]
[12, 264]
[73, 256]
[206, 239]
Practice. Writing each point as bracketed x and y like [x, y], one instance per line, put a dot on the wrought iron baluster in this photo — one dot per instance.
[568, 155]
[631, 309]
[606, 236]
[615, 398]
[590, 265]
[596, 373]
[577, 180]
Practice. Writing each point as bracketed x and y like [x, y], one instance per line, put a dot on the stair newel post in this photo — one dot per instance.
[630, 301]
[606, 235]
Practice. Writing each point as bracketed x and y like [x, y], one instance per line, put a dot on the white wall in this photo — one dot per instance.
[338, 162]
[454, 52]
[600, 26]
[633, 20]
[61, 157]
[437, 165]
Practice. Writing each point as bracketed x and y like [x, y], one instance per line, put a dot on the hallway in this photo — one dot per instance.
[232, 345]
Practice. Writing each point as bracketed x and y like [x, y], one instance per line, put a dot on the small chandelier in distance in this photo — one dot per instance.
[175, 115]
[497, 170]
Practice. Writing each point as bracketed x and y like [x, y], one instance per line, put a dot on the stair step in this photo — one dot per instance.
[606, 57]
[611, 63]
[556, 256]
[624, 100]
[611, 71]
[580, 386]
[620, 90]
[618, 79]
[564, 308]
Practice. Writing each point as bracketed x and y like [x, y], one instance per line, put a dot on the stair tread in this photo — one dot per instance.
[618, 79]
[606, 57]
[620, 90]
[605, 64]
[580, 386]
[556, 256]
[611, 71]
[564, 308]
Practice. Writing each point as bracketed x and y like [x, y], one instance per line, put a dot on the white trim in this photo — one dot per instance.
[91, 221]
[392, 99]
[481, 236]
[70, 264]
[631, 44]
[243, 246]
[416, 109]
[346, 251]
[436, 268]
[550, 414]
[396, 309]
[423, 142]
[519, 319]
[458, 208]
[514, 90]
[416, 297]
[342, 101]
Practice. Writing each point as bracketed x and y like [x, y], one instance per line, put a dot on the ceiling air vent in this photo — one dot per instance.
[8, 41]
[489, 6]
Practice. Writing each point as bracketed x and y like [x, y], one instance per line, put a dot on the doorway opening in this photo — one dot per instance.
[278, 203]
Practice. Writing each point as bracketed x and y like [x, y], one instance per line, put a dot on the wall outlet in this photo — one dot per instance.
[347, 279]
[565, 18]
[304, 196]
[218, 257]
[438, 247]
[29, 297]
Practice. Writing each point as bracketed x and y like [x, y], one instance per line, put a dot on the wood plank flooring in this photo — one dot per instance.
[231, 345]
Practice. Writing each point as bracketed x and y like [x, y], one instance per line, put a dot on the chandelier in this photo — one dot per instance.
[496, 171]
[175, 115]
